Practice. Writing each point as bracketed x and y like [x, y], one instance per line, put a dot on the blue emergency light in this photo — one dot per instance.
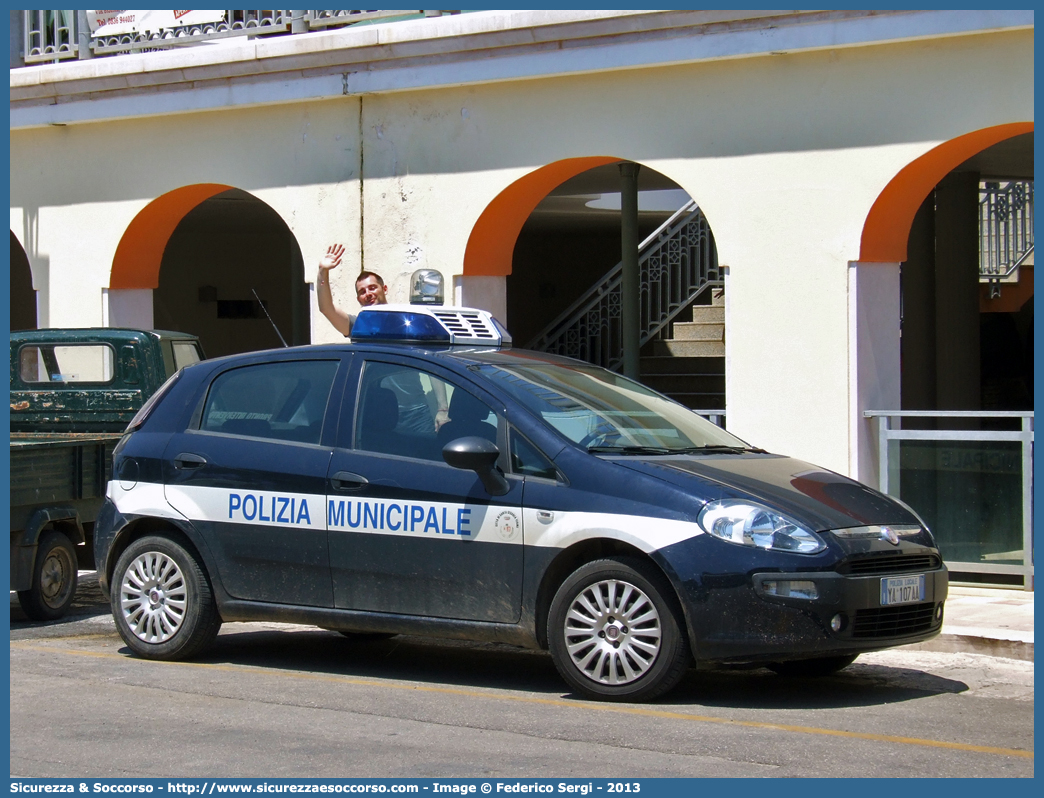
[415, 324]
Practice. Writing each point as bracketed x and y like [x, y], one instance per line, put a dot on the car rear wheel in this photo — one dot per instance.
[615, 631]
[820, 666]
[162, 600]
[54, 578]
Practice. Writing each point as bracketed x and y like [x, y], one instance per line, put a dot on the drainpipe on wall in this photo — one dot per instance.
[299, 22]
[630, 286]
[83, 36]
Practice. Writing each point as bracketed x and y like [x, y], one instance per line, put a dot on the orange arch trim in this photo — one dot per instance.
[493, 237]
[887, 226]
[140, 251]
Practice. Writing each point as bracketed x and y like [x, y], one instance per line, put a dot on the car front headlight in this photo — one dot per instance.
[750, 524]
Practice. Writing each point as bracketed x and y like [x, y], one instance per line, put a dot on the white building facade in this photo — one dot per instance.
[808, 139]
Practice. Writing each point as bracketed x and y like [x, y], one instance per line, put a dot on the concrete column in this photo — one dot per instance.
[486, 293]
[630, 287]
[128, 307]
[874, 345]
[957, 292]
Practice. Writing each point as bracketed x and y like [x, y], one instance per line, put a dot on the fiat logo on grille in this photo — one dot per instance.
[887, 533]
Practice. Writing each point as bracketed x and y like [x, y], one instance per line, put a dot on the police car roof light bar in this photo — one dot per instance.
[453, 326]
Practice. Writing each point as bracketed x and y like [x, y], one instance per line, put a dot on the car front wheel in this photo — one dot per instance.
[162, 600]
[615, 633]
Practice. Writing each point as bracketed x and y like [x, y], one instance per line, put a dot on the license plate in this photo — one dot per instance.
[902, 589]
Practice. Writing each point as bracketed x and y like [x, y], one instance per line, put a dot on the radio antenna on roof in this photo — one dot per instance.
[262, 304]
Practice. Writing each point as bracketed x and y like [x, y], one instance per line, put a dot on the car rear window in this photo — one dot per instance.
[58, 363]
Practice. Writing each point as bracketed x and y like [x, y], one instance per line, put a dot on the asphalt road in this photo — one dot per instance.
[275, 700]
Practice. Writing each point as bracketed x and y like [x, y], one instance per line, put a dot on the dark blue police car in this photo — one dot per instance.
[560, 506]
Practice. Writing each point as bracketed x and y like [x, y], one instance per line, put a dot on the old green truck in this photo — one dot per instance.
[73, 392]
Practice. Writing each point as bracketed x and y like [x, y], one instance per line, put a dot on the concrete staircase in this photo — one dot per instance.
[690, 366]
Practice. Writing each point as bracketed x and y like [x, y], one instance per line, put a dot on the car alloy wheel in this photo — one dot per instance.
[616, 632]
[612, 632]
[162, 600]
[153, 597]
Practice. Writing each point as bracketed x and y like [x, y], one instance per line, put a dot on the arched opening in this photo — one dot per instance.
[557, 262]
[887, 226]
[959, 221]
[23, 295]
[139, 254]
[492, 240]
[192, 261]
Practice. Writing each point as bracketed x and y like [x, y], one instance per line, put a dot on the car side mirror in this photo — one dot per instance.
[478, 455]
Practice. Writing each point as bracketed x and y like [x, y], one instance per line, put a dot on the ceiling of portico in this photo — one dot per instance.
[1009, 159]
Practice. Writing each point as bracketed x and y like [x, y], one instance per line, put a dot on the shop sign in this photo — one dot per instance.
[119, 23]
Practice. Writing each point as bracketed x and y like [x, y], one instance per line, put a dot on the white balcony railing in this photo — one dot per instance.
[51, 36]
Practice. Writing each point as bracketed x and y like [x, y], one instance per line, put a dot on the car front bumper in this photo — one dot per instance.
[732, 617]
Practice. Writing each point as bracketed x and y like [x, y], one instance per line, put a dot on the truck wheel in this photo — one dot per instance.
[614, 631]
[162, 600]
[820, 666]
[54, 578]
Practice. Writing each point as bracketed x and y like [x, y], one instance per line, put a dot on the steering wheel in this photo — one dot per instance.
[599, 439]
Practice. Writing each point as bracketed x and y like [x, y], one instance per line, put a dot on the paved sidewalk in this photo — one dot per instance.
[982, 620]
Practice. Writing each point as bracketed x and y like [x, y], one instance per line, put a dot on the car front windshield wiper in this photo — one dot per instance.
[630, 450]
[715, 448]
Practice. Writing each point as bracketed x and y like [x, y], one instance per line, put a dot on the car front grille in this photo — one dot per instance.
[890, 563]
[909, 619]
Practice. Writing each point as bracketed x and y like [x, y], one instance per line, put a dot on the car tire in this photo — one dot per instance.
[54, 578]
[615, 631]
[162, 600]
[819, 666]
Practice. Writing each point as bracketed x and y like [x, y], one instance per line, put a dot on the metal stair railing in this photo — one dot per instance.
[1005, 228]
[677, 262]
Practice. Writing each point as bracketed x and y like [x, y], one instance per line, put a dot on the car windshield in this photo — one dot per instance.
[608, 413]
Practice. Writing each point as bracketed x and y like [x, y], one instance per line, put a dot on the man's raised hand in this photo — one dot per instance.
[332, 258]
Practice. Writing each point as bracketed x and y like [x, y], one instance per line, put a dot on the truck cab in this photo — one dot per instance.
[73, 392]
[90, 380]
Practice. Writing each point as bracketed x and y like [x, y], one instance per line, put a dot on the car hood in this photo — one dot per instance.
[815, 497]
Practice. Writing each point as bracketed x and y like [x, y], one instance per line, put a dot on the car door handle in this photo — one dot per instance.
[346, 480]
[189, 460]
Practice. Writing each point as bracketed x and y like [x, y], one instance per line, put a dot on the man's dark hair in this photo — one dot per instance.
[364, 275]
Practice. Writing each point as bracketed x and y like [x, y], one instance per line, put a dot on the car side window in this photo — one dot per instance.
[282, 400]
[528, 460]
[185, 354]
[399, 412]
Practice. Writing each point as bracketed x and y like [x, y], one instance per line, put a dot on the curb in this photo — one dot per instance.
[973, 644]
